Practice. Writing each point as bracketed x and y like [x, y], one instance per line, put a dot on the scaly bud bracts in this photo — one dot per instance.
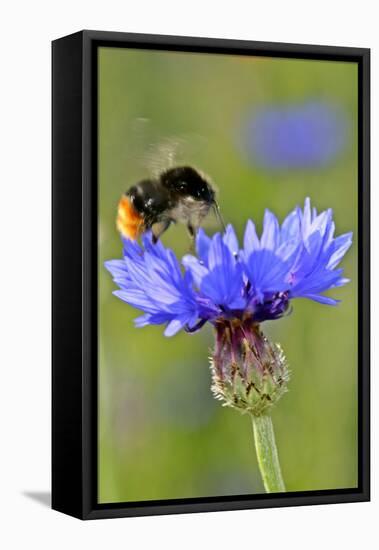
[249, 373]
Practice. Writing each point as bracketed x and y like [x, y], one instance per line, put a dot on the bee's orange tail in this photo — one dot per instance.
[129, 222]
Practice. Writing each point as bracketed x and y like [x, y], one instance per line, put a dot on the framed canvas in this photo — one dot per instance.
[210, 275]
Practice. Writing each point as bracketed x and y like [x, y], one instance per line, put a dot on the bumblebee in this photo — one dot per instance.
[180, 194]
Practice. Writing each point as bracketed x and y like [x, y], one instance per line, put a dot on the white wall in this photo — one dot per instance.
[26, 31]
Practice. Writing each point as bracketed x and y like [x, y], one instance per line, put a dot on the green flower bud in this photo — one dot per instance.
[249, 373]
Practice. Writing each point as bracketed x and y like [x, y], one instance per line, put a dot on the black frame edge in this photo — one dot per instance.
[287, 500]
[364, 259]
[67, 95]
[226, 45]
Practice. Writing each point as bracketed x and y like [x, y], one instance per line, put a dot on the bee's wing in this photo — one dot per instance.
[148, 152]
[163, 154]
[140, 139]
[157, 152]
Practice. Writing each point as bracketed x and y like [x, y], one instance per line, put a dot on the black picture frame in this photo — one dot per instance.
[74, 272]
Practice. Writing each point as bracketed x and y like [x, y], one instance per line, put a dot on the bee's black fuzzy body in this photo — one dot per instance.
[179, 194]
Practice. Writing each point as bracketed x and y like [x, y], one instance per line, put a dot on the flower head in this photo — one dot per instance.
[236, 289]
[296, 259]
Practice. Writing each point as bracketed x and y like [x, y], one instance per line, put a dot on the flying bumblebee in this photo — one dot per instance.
[180, 194]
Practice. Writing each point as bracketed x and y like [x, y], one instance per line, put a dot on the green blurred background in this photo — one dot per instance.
[161, 434]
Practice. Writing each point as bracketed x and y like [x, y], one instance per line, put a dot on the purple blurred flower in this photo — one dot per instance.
[299, 136]
[294, 260]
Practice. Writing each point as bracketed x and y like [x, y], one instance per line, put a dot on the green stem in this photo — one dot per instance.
[267, 454]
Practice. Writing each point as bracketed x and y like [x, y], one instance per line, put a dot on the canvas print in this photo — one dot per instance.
[227, 269]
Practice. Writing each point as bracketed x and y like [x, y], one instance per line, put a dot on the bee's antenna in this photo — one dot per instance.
[218, 214]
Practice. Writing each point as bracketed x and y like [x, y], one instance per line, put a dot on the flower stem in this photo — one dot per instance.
[267, 454]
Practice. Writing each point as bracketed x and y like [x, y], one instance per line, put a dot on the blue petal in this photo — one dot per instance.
[174, 326]
[223, 283]
[270, 235]
[116, 267]
[218, 253]
[322, 299]
[202, 245]
[267, 272]
[251, 242]
[318, 281]
[341, 282]
[306, 217]
[290, 229]
[230, 240]
[321, 221]
[136, 298]
[197, 269]
[142, 321]
[341, 245]
[223, 286]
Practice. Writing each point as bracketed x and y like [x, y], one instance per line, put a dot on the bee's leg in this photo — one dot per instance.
[192, 234]
[159, 228]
